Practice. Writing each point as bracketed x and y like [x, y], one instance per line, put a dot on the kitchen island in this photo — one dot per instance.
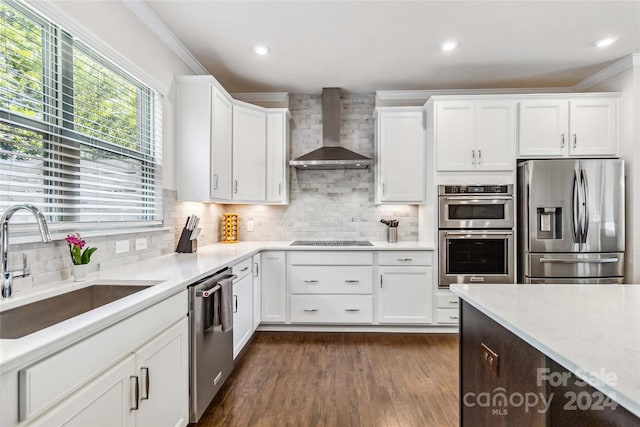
[549, 355]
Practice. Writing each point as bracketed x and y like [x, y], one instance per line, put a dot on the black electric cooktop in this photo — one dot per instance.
[331, 243]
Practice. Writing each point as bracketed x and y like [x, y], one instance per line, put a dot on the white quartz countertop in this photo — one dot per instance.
[170, 273]
[592, 330]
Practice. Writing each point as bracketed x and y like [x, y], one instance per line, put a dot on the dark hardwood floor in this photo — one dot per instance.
[341, 379]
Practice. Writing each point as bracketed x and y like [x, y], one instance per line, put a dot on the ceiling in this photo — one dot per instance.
[364, 46]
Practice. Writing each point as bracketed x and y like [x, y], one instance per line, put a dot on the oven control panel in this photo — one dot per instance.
[475, 189]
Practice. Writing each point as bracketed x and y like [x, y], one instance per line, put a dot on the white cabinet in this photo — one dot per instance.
[565, 126]
[447, 308]
[400, 160]
[249, 153]
[277, 156]
[133, 373]
[257, 309]
[203, 139]
[273, 287]
[405, 287]
[474, 134]
[242, 312]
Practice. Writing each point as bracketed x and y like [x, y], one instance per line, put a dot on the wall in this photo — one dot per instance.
[332, 204]
[627, 83]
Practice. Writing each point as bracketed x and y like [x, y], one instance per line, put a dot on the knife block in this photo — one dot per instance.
[230, 228]
[185, 245]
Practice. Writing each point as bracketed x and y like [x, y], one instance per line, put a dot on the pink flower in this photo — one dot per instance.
[75, 240]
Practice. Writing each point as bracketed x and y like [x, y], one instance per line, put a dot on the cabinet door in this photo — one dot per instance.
[221, 144]
[272, 282]
[277, 148]
[405, 294]
[193, 141]
[543, 128]
[104, 401]
[242, 313]
[593, 127]
[162, 367]
[455, 135]
[401, 157]
[495, 135]
[257, 270]
[249, 154]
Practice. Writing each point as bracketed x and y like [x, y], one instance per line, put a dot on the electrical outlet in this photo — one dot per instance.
[122, 246]
[250, 225]
[141, 244]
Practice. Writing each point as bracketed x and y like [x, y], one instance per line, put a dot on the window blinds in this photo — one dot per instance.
[79, 137]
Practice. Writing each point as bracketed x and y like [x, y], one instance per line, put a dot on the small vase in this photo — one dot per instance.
[80, 272]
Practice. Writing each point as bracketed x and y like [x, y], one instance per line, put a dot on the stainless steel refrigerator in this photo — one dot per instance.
[571, 221]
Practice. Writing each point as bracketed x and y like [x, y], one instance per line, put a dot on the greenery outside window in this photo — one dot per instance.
[79, 137]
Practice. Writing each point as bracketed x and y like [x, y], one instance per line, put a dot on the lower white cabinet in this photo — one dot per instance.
[447, 308]
[404, 295]
[242, 312]
[273, 287]
[344, 309]
[132, 373]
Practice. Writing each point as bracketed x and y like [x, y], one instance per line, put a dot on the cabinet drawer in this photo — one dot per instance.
[45, 382]
[447, 300]
[331, 309]
[242, 268]
[341, 279]
[447, 315]
[405, 258]
[330, 258]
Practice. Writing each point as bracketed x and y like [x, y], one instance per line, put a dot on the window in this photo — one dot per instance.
[79, 137]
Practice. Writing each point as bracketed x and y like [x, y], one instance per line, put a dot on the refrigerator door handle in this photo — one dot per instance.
[585, 205]
[575, 208]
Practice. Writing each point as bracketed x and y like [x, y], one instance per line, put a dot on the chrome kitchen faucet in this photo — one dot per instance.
[7, 276]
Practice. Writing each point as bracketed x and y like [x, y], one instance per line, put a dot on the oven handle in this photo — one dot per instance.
[476, 233]
[476, 199]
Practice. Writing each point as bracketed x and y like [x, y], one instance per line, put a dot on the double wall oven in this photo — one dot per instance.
[476, 238]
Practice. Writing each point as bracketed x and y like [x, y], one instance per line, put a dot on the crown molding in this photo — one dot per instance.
[424, 95]
[617, 67]
[262, 97]
[151, 20]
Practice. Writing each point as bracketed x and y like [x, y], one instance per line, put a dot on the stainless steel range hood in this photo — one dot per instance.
[331, 155]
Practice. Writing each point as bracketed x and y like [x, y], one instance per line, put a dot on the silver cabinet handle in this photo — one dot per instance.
[562, 140]
[351, 309]
[310, 310]
[279, 188]
[383, 188]
[257, 269]
[244, 269]
[479, 156]
[578, 261]
[134, 392]
[215, 181]
[144, 373]
[405, 259]
[453, 302]
[453, 317]
[235, 184]
[352, 281]
[473, 157]
[575, 140]
[310, 281]
[235, 303]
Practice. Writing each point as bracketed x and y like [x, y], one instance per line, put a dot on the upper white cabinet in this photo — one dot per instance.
[278, 156]
[229, 151]
[584, 125]
[203, 139]
[249, 153]
[400, 161]
[474, 134]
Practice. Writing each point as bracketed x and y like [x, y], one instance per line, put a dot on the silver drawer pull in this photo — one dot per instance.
[134, 393]
[351, 309]
[310, 281]
[244, 269]
[310, 310]
[352, 281]
[579, 261]
[144, 373]
[405, 259]
[453, 317]
[453, 301]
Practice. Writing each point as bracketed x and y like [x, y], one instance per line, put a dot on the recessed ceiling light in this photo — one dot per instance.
[261, 49]
[449, 45]
[607, 41]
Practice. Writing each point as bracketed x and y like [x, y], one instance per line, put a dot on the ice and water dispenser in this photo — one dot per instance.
[549, 223]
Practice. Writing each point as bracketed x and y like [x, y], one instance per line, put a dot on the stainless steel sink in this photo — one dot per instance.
[30, 318]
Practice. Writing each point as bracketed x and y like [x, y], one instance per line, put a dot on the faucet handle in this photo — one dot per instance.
[25, 267]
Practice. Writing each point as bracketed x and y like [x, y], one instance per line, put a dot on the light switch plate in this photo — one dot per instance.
[490, 359]
[250, 225]
[141, 244]
[122, 246]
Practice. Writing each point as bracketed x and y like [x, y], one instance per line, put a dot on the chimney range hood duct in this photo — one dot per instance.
[331, 155]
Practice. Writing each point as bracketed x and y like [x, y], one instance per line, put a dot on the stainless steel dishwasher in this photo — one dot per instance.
[210, 348]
